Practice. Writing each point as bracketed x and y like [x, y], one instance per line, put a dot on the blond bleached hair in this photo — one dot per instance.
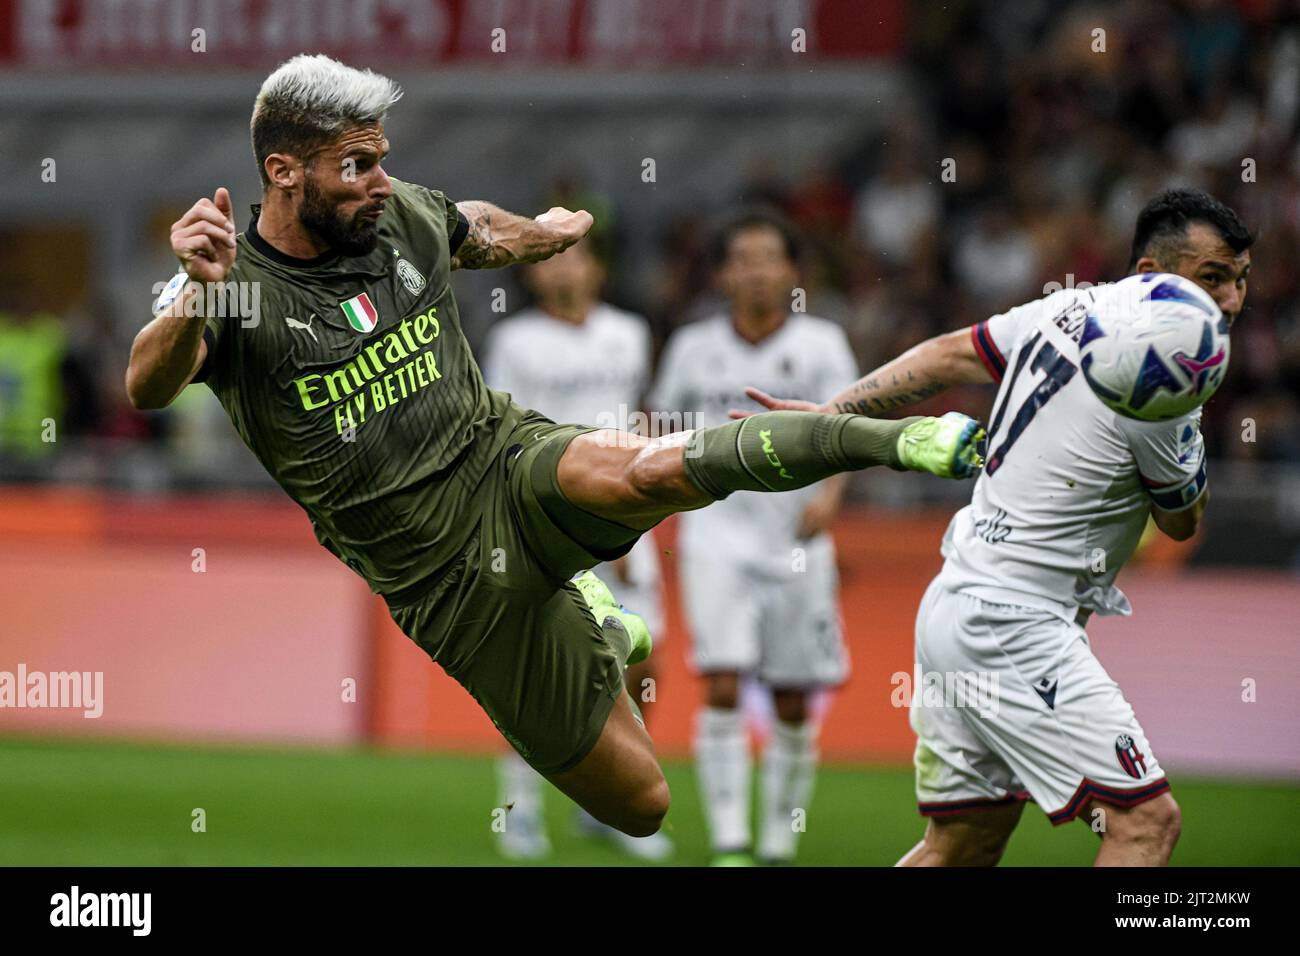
[310, 100]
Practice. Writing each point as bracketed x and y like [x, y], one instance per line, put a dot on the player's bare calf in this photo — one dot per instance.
[1143, 835]
[977, 838]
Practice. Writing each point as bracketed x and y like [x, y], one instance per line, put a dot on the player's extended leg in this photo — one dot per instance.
[975, 838]
[600, 488]
[638, 481]
[1143, 835]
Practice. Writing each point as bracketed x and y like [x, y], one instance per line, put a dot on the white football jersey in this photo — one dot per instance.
[588, 374]
[1068, 485]
[704, 371]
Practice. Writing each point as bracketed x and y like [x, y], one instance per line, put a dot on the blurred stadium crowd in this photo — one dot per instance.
[1054, 144]
[1055, 153]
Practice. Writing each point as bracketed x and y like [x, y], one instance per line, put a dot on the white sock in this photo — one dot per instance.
[520, 787]
[789, 770]
[723, 767]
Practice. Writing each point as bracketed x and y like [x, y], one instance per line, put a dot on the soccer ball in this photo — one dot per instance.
[1154, 346]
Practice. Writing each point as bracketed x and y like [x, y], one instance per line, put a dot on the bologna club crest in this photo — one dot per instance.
[1131, 760]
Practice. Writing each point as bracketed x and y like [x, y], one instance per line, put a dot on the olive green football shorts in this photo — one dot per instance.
[505, 622]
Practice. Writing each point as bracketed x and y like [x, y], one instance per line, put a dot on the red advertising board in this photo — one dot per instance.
[144, 35]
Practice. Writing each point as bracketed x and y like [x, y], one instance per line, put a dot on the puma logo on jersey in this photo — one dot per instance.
[295, 324]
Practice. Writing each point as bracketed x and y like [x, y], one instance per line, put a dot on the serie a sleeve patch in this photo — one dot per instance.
[1177, 495]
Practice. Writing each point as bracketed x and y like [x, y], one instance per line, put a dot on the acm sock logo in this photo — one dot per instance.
[768, 450]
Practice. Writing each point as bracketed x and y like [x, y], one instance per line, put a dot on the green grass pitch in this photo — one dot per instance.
[93, 804]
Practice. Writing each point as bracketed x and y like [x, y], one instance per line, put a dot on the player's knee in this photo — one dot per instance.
[654, 476]
[646, 811]
[643, 478]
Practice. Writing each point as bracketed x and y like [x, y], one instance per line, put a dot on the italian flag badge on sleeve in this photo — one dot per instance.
[360, 312]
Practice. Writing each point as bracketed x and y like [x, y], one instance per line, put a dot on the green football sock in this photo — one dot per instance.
[782, 451]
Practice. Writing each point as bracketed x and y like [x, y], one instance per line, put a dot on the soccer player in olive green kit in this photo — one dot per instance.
[346, 372]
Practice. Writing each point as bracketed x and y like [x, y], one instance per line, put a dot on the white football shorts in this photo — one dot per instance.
[781, 626]
[1010, 703]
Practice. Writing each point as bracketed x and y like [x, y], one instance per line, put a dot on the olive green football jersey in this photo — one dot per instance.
[350, 379]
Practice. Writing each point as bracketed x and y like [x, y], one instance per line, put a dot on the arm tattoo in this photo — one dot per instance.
[898, 399]
[477, 250]
[868, 384]
[499, 238]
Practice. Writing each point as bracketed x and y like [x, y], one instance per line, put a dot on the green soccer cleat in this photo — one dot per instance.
[947, 446]
[603, 606]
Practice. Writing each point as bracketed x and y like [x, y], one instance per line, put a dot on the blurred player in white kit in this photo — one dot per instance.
[1066, 480]
[577, 359]
[758, 571]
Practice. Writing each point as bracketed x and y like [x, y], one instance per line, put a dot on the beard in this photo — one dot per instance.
[354, 236]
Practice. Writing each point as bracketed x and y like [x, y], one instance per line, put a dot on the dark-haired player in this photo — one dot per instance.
[351, 381]
[758, 575]
[1068, 479]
